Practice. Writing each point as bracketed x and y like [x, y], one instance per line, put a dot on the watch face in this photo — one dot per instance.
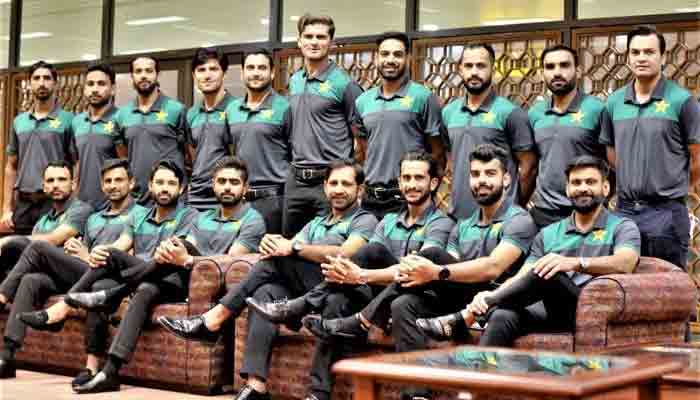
[444, 274]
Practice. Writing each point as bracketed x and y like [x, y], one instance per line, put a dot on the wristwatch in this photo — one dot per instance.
[583, 263]
[296, 247]
[444, 273]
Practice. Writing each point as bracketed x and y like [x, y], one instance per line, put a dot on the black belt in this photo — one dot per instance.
[257, 194]
[310, 174]
[382, 192]
[637, 205]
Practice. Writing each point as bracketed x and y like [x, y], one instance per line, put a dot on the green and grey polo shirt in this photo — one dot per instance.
[394, 126]
[470, 239]
[497, 121]
[156, 135]
[105, 226]
[651, 141]
[559, 139]
[322, 108]
[261, 138]
[432, 229]
[324, 231]
[208, 134]
[74, 215]
[36, 142]
[211, 234]
[96, 142]
[147, 234]
[609, 233]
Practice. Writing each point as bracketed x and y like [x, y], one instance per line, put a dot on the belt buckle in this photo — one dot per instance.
[637, 206]
[306, 174]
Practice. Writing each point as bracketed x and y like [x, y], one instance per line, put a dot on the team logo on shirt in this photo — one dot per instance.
[495, 228]
[161, 116]
[222, 115]
[55, 123]
[109, 127]
[420, 231]
[170, 224]
[661, 106]
[488, 117]
[578, 117]
[267, 114]
[406, 101]
[599, 235]
[324, 87]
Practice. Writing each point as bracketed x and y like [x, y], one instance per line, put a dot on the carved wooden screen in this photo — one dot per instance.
[5, 120]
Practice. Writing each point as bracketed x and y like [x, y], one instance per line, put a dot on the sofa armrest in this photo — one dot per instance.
[239, 268]
[206, 283]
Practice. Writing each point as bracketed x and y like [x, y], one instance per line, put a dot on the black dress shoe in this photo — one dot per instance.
[89, 300]
[39, 320]
[83, 377]
[248, 393]
[439, 328]
[279, 311]
[349, 327]
[192, 328]
[100, 383]
[7, 369]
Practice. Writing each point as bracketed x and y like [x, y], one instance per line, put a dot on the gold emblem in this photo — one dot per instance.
[222, 115]
[488, 117]
[109, 127]
[578, 117]
[324, 87]
[661, 106]
[491, 360]
[170, 224]
[594, 364]
[496, 227]
[161, 116]
[406, 101]
[599, 235]
[267, 114]
[55, 123]
[420, 231]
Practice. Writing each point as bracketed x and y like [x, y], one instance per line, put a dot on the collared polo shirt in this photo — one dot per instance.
[432, 229]
[261, 139]
[35, 142]
[147, 233]
[497, 121]
[470, 239]
[560, 138]
[105, 226]
[156, 135]
[608, 234]
[74, 215]
[651, 141]
[211, 234]
[96, 142]
[322, 109]
[324, 231]
[396, 125]
[208, 134]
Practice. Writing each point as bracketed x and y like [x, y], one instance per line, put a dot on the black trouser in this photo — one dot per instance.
[271, 209]
[11, 252]
[382, 206]
[28, 210]
[664, 227]
[543, 217]
[530, 304]
[303, 200]
[43, 270]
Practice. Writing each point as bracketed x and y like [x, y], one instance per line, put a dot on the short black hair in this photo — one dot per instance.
[155, 60]
[260, 51]
[170, 165]
[347, 163]
[233, 163]
[308, 19]
[205, 54]
[114, 163]
[400, 36]
[588, 162]
[44, 64]
[646, 30]
[559, 47]
[480, 45]
[487, 152]
[420, 155]
[59, 164]
[103, 67]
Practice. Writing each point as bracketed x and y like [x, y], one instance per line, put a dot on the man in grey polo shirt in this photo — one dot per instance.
[653, 141]
[322, 99]
[392, 119]
[36, 137]
[566, 126]
[260, 126]
[152, 126]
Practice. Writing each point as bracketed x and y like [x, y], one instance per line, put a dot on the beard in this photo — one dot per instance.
[170, 202]
[43, 96]
[211, 91]
[490, 198]
[99, 103]
[586, 206]
[229, 199]
[422, 199]
[477, 90]
[564, 89]
[260, 89]
[392, 76]
[147, 90]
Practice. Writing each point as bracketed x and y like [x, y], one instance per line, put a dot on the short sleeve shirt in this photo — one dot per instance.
[207, 133]
[147, 233]
[396, 125]
[261, 139]
[497, 121]
[432, 229]
[156, 135]
[211, 234]
[74, 215]
[322, 109]
[609, 233]
[105, 227]
[36, 142]
[96, 142]
[651, 141]
[559, 139]
[470, 239]
[324, 231]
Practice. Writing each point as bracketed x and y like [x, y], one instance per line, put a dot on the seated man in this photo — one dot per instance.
[288, 268]
[421, 227]
[564, 256]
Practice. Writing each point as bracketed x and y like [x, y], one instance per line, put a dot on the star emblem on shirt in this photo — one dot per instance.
[109, 127]
[324, 87]
[54, 123]
[488, 117]
[420, 231]
[267, 114]
[594, 364]
[161, 115]
[599, 235]
[222, 115]
[578, 117]
[496, 227]
[406, 101]
[661, 106]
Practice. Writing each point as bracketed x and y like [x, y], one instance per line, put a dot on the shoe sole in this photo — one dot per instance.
[189, 339]
[322, 334]
[106, 390]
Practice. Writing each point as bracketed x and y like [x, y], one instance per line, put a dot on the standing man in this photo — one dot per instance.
[322, 99]
[392, 119]
[484, 117]
[566, 126]
[36, 137]
[260, 125]
[653, 142]
[152, 126]
[96, 134]
[208, 138]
